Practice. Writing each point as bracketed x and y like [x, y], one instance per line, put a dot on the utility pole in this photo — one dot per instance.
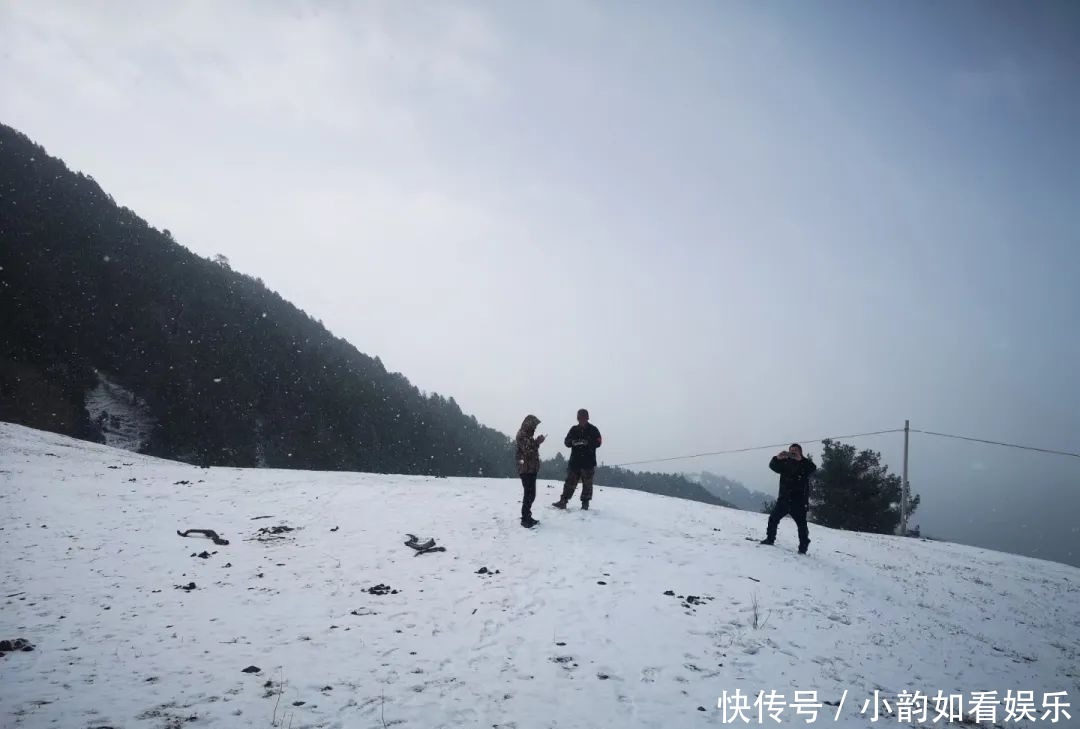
[904, 484]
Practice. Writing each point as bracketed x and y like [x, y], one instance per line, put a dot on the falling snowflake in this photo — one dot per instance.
[217, 379]
[107, 259]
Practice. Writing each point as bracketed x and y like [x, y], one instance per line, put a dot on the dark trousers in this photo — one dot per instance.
[528, 483]
[573, 475]
[796, 509]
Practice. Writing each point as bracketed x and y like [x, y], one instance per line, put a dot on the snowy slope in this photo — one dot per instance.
[91, 559]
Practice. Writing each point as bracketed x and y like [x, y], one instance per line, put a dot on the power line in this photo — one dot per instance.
[845, 437]
[755, 448]
[997, 443]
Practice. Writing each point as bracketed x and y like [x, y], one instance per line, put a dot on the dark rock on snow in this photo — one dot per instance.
[15, 646]
[274, 531]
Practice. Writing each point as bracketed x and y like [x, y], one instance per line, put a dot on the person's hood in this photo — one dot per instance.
[528, 425]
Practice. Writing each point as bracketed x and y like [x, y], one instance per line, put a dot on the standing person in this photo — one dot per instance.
[582, 440]
[794, 496]
[527, 448]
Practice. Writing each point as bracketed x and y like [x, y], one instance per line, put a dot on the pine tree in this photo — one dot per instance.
[854, 490]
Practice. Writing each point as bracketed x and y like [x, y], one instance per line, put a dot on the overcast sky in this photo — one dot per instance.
[714, 224]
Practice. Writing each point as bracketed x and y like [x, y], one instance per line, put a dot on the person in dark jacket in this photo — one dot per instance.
[794, 496]
[527, 450]
[582, 440]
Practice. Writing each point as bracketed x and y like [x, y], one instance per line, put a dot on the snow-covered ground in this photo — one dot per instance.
[569, 627]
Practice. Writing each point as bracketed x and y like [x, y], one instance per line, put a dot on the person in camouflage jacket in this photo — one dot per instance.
[527, 453]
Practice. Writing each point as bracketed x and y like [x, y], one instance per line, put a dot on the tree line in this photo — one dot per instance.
[664, 484]
[233, 374]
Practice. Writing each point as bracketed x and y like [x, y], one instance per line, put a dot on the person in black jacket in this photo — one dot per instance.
[794, 497]
[582, 440]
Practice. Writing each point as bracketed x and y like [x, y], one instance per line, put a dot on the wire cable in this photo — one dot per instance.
[755, 448]
[846, 437]
[997, 443]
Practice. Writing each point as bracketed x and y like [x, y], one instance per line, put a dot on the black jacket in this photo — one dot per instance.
[794, 478]
[583, 442]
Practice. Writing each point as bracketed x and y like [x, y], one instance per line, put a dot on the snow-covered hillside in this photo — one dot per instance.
[567, 625]
[123, 417]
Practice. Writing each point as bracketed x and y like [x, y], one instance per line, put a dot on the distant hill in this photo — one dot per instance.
[186, 358]
[730, 490]
[664, 484]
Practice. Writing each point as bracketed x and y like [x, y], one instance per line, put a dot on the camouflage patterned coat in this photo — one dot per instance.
[527, 449]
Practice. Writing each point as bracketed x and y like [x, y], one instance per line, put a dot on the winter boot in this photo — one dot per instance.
[803, 546]
[529, 523]
[560, 504]
[584, 505]
[768, 540]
